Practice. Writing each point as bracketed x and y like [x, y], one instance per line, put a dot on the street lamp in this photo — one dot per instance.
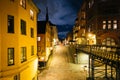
[91, 38]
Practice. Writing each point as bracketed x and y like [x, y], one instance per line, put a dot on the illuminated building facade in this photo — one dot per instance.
[44, 42]
[82, 24]
[54, 35]
[47, 36]
[75, 31]
[103, 21]
[18, 34]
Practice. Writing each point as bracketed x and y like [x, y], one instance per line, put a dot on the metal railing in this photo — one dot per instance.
[108, 55]
[111, 53]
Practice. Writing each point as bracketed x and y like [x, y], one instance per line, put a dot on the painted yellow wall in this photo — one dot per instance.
[30, 71]
[0, 42]
[8, 40]
[27, 69]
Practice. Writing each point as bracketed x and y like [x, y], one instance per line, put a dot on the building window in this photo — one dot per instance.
[33, 78]
[90, 4]
[10, 56]
[23, 3]
[17, 77]
[32, 50]
[109, 41]
[31, 14]
[32, 32]
[38, 48]
[38, 38]
[23, 54]
[109, 25]
[23, 27]
[104, 24]
[115, 24]
[10, 24]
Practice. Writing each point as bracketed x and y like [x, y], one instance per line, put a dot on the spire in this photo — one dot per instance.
[47, 17]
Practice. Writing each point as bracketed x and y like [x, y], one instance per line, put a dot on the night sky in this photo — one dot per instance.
[61, 13]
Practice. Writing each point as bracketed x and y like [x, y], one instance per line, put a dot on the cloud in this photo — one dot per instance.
[61, 12]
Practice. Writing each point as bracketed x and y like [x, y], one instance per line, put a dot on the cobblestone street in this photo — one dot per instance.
[62, 67]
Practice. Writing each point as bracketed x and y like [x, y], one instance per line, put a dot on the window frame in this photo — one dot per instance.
[23, 54]
[32, 50]
[9, 56]
[32, 32]
[23, 27]
[31, 14]
[10, 23]
[17, 77]
[23, 3]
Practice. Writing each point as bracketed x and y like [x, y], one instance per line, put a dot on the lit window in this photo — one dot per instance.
[38, 38]
[104, 26]
[23, 3]
[32, 50]
[104, 21]
[109, 26]
[31, 14]
[10, 56]
[115, 21]
[23, 27]
[10, 24]
[23, 54]
[109, 21]
[89, 4]
[115, 24]
[32, 32]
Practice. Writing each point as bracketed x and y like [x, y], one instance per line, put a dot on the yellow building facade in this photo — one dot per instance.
[18, 46]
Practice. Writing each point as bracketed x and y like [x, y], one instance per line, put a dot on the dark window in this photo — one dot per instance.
[32, 32]
[10, 24]
[23, 27]
[33, 78]
[17, 77]
[32, 50]
[23, 54]
[38, 48]
[10, 56]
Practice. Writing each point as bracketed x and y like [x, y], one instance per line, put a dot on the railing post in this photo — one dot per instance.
[91, 65]
[106, 70]
[118, 64]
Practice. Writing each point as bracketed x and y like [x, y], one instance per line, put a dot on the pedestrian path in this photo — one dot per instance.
[61, 68]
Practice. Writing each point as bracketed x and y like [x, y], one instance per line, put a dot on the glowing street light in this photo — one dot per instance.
[91, 38]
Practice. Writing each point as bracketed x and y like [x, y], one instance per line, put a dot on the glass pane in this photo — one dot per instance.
[10, 56]
[104, 21]
[114, 26]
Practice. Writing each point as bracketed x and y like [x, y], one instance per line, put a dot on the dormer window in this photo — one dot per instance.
[23, 3]
[31, 14]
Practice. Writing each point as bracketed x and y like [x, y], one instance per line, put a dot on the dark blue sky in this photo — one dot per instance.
[61, 12]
